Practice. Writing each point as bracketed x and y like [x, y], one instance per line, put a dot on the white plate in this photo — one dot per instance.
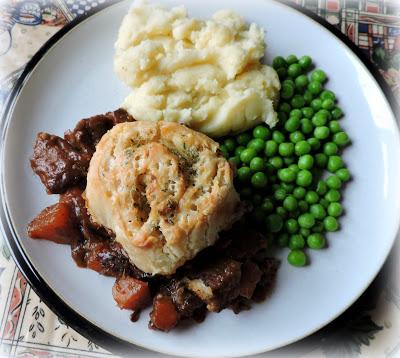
[74, 79]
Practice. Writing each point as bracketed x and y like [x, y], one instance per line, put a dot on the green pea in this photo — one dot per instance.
[304, 178]
[335, 209]
[306, 161]
[341, 139]
[276, 162]
[291, 59]
[327, 113]
[296, 137]
[334, 127]
[257, 144]
[278, 136]
[224, 151]
[314, 87]
[286, 149]
[301, 81]
[267, 205]
[306, 220]
[318, 211]
[281, 211]
[308, 97]
[294, 70]
[302, 147]
[292, 124]
[337, 113]
[294, 167]
[333, 182]
[235, 161]
[316, 241]
[287, 175]
[312, 197]
[292, 226]
[326, 94]
[243, 138]
[331, 224]
[324, 203]
[322, 188]
[278, 62]
[287, 187]
[308, 112]
[305, 62]
[306, 126]
[247, 155]
[280, 194]
[319, 76]
[230, 144]
[282, 72]
[244, 174]
[343, 174]
[274, 223]
[328, 104]
[290, 203]
[271, 148]
[332, 195]
[282, 117]
[246, 193]
[287, 91]
[297, 258]
[316, 104]
[259, 180]
[314, 142]
[303, 206]
[284, 107]
[319, 119]
[321, 160]
[239, 150]
[296, 113]
[330, 148]
[297, 101]
[288, 82]
[321, 132]
[261, 132]
[257, 164]
[296, 241]
[299, 192]
[334, 163]
[283, 239]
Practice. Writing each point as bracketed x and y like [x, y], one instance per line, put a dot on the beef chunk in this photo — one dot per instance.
[251, 275]
[186, 302]
[57, 163]
[223, 277]
[88, 132]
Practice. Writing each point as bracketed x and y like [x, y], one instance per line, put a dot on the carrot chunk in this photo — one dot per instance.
[131, 293]
[164, 315]
[54, 223]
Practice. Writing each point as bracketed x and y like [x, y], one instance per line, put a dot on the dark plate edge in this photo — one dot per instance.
[57, 305]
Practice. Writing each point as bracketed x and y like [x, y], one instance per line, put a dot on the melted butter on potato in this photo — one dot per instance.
[205, 74]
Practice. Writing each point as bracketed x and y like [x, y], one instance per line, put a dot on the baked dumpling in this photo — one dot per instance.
[164, 189]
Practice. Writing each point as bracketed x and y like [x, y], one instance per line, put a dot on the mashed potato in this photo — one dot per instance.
[164, 189]
[205, 74]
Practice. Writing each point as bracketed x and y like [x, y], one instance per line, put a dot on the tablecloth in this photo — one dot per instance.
[370, 328]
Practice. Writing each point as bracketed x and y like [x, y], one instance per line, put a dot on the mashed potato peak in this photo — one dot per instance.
[205, 74]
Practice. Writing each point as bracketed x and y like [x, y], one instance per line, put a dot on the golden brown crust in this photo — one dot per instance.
[164, 190]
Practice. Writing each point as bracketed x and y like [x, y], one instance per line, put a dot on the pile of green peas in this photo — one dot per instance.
[282, 171]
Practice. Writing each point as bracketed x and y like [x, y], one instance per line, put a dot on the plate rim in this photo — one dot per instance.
[71, 317]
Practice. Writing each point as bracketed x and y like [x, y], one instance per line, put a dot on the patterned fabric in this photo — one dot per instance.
[28, 328]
